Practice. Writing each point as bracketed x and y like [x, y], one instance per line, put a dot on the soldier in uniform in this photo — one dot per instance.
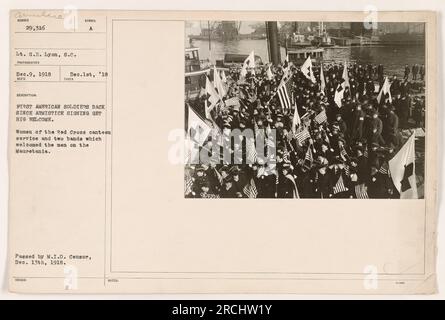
[199, 179]
[376, 129]
[391, 127]
[395, 86]
[353, 87]
[370, 69]
[358, 118]
[214, 177]
[380, 73]
[306, 182]
[405, 88]
[419, 111]
[404, 109]
[323, 183]
[407, 71]
[239, 181]
[342, 127]
[370, 87]
[422, 72]
[228, 191]
[415, 71]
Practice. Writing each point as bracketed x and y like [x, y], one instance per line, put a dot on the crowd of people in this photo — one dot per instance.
[344, 155]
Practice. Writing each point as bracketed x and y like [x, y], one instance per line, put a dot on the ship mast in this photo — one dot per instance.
[272, 42]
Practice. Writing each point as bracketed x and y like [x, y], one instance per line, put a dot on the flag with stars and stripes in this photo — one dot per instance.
[321, 117]
[251, 154]
[384, 169]
[250, 189]
[188, 183]
[361, 192]
[347, 170]
[308, 157]
[302, 135]
[340, 185]
[285, 94]
[286, 158]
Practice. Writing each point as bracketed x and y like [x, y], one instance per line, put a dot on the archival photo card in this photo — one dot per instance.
[223, 152]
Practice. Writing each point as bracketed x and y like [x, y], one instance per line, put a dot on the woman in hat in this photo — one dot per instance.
[287, 187]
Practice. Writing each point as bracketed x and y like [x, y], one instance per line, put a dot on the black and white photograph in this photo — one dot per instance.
[304, 110]
[214, 151]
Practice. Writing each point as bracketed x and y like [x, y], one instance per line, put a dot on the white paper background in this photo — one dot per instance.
[313, 5]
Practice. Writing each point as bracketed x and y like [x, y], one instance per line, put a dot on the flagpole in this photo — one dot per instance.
[210, 46]
[268, 48]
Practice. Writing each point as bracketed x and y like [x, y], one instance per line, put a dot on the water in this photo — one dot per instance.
[219, 49]
[393, 58]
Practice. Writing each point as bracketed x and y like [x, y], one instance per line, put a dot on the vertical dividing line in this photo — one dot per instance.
[267, 42]
[106, 148]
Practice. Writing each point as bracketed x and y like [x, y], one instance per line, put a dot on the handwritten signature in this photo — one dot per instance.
[41, 14]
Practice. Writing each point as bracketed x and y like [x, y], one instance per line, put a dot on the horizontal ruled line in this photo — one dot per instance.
[60, 81]
[66, 32]
[59, 65]
[59, 48]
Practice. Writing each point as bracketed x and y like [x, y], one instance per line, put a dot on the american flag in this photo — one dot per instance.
[251, 154]
[308, 157]
[321, 117]
[384, 169]
[286, 156]
[250, 189]
[283, 94]
[360, 191]
[188, 183]
[302, 135]
[340, 185]
[347, 171]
